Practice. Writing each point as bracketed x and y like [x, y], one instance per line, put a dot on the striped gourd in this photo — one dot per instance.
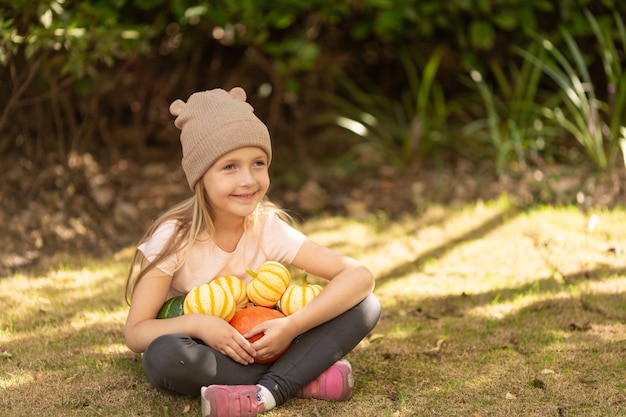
[210, 299]
[297, 296]
[268, 284]
[236, 287]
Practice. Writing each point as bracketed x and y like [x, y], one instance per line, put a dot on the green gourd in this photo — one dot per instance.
[172, 308]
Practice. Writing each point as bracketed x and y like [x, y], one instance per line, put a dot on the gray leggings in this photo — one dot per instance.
[178, 363]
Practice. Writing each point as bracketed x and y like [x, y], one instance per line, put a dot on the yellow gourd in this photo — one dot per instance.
[268, 284]
[236, 287]
[210, 299]
[297, 296]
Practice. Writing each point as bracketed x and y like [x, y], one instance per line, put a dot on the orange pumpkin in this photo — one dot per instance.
[249, 317]
[210, 299]
[236, 287]
[268, 283]
[297, 296]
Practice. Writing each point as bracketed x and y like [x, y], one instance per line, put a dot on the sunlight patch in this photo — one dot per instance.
[333, 232]
[112, 349]
[494, 311]
[414, 285]
[16, 379]
[89, 318]
[399, 332]
[80, 277]
[609, 333]
[607, 286]
[498, 310]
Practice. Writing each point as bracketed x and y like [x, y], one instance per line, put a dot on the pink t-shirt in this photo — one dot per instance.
[271, 240]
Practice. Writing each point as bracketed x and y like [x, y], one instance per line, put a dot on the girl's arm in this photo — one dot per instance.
[142, 326]
[349, 283]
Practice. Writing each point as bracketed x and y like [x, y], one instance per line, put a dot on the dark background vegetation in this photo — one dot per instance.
[375, 107]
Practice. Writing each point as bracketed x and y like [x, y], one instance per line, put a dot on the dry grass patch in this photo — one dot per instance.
[489, 310]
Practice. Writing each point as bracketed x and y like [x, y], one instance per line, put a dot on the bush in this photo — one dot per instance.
[100, 71]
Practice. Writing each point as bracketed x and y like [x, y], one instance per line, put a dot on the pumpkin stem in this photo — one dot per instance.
[304, 275]
[251, 273]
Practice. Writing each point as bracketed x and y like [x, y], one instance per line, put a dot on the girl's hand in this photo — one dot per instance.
[222, 337]
[278, 335]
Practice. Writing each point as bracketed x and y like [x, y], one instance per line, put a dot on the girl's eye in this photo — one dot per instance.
[260, 163]
[229, 167]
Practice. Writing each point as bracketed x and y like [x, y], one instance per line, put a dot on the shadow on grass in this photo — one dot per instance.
[458, 304]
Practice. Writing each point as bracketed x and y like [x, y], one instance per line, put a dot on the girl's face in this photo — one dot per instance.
[237, 182]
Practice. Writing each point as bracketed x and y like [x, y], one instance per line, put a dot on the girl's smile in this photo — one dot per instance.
[245, 197]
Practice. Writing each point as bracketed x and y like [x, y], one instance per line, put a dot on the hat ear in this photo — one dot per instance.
[176, 108]
[238, 93]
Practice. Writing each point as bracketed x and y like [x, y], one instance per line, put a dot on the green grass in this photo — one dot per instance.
[527, 306]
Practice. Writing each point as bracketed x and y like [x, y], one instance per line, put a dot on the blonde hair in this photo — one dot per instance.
[192, 217]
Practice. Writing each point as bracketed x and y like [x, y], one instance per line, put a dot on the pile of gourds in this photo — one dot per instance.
[269, 295]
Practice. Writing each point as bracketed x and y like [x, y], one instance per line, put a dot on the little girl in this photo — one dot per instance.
[225, 228]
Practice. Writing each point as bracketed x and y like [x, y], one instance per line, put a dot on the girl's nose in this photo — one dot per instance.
[246, 177]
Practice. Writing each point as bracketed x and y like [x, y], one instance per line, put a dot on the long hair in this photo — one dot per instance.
[191, 217]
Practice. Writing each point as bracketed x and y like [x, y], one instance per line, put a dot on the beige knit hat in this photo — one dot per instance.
[213, 123]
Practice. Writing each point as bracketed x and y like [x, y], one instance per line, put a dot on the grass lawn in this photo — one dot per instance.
[488, 310]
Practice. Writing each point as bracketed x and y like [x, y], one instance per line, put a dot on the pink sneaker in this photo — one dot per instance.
[231, 401]
[336, 383]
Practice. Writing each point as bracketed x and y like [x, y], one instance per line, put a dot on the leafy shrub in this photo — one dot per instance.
[393, 130]
[46, 50]
[511, 126]
[71, 62]
[596, 123]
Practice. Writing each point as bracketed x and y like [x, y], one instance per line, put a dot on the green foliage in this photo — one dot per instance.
[73, 39]
[472, 25]
[511, 127]
[611, 43]
[394, 130]
[283, 37]
[595, 123]
[48, 49]
[290, 34]
[54, 53]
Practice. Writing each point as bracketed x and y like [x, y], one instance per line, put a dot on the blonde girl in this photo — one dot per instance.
[226, 227]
